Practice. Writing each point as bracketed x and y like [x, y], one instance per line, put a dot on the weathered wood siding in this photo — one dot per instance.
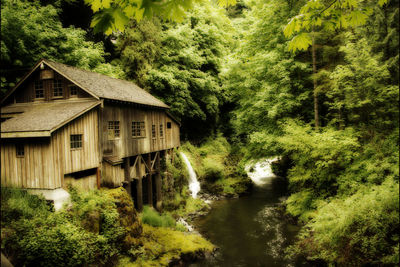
[112, 175]
[126, 145]
[46, 160]
[84, 183]
[84, 158]
[26, 92]
[36, 169]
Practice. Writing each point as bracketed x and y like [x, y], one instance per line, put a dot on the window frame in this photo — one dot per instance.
[153, 131]
[138, 127]
[76, 142]
[58, 82]
[161, 130]
[113, 128]
[18, 148]
[36, 89]
[70, 90]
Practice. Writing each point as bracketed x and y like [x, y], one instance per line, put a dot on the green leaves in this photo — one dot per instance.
[300, 42]
[328, 15]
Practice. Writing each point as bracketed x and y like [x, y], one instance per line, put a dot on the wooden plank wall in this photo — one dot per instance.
[112, 175]
[26, 92]
[37, 169]
[126, 145]
[84, 183]
[84, 158]
[46, 160]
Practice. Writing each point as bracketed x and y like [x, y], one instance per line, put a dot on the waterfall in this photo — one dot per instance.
[194, 185]
[260, 171]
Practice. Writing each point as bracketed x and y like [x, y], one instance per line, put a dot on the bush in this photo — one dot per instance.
[151, 217]
[213, 170]
[19, 204]
[363, 228]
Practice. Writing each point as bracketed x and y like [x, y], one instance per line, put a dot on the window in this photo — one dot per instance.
[113, 130]
[20, 150]
[39, 91]
[76, 141]
[73, 90]
[57, 88]
[161, 130]
[153, 131]
[138, 129]
[169, 125]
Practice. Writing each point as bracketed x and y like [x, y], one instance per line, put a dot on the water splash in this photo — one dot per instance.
[194, 185]
[261, 171]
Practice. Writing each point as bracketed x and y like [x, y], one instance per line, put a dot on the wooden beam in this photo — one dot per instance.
[97, 177]
[154, 160]
[149, 182]
[134, 166]
[158, 183]
[139, 189]
[127, 175]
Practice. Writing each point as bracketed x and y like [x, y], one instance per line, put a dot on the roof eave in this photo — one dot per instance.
[25, 134]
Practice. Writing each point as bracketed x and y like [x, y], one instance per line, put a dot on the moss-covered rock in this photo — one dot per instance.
[165, 246]
[128, 217]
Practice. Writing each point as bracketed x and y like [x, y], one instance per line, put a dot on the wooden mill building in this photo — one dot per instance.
[62, 124]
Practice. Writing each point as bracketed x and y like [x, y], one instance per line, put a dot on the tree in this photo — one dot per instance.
[328, 16]
[30, 32]
[115, 15]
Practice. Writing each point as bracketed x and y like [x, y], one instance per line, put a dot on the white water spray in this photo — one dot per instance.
[260, 171]
[194, 185]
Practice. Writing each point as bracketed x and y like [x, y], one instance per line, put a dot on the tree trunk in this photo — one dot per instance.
[316, 115]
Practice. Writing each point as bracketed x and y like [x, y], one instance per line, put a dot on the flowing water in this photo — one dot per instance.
[194, 185]
[250, 231]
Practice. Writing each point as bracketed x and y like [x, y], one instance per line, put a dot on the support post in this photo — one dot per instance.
[172, 155]
[139, 188]
[158, 181]
[149, 181]
[127, 175]
[98, 177]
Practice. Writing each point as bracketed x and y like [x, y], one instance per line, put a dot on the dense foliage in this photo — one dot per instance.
[265, 74]
[30, 32]
[343, 177]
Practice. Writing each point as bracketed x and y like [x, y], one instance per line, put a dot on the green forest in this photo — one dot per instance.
[315, 83]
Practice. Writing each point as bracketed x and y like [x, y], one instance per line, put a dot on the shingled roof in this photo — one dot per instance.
[41, 119]
[101, 86]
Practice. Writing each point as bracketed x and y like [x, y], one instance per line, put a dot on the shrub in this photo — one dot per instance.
[213, 170]
[19, 204]
[153, 218]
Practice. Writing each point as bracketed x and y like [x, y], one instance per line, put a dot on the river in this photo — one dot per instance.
[250, 231]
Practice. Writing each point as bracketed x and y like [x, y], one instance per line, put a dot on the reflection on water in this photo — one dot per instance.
[249, 231]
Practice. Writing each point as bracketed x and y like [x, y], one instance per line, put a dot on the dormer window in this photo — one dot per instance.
[73, 90]
[39, 91]
[57, 88]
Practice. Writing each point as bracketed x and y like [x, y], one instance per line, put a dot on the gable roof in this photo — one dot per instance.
[41, 119]
[99, 85]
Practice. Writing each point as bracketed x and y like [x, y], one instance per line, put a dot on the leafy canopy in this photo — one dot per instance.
[114, 15]
[328, 15]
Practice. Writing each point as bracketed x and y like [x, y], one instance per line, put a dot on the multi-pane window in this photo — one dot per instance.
[20, 150]
[76, 141]
[73, 90]
[153, 131]
[113, 130]
[39, 91]
[138, 129]
[57, 88]
[161, 130]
